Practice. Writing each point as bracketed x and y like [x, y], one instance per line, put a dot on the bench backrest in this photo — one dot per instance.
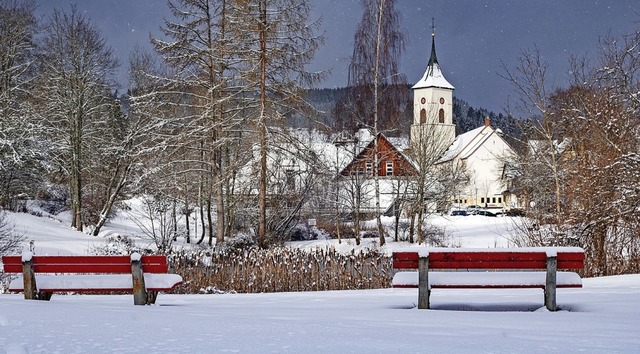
[86, 264]
[488, 260]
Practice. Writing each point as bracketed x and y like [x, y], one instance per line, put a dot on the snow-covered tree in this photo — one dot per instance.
[73, 96]
[20, 152]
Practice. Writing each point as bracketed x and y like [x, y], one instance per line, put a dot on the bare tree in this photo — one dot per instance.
[437, 179]
[21, 169]
[374, 77]
[543, 147]
[73, 95]
[279, 41]
[585, 145]
[9, 239]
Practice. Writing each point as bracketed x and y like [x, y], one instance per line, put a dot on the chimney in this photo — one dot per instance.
[487, 122]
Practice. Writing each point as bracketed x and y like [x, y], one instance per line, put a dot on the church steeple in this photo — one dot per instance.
[432, 102]
[433, 59]
[432, 76]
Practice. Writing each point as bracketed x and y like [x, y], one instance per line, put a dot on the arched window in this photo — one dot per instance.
[423, 116]
[441, 115]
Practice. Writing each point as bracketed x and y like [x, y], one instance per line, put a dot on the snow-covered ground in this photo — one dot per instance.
[602, 317]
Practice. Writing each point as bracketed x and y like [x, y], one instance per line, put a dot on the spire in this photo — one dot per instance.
[433, 77]
[433, 59]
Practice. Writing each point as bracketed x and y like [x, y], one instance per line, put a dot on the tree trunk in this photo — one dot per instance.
[262, 128]
[114, 192]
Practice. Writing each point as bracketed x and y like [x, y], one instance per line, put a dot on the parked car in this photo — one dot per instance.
[485, 213]
[459, 213]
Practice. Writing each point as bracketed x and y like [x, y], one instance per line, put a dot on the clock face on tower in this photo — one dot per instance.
[423, 100]
[441, 100]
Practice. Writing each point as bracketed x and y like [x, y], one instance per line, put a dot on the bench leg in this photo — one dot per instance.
[151, 297]
[550, 286]
[46, 296]
[29, 281]
[140, 296]
[424, 291]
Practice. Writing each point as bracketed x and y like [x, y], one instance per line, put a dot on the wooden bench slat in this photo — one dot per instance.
[487, 280]
[488, 260]
[97, 282]
[86, 264]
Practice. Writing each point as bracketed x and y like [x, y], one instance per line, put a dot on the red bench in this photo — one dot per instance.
[41, 276]
[490, 269]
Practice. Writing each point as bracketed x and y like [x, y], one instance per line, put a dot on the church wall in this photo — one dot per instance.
[485, 167]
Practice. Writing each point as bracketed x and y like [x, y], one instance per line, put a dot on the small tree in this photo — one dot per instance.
[9, 239]
[155, 220]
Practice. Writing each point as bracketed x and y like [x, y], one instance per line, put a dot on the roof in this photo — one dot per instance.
[467, 143]
[433, 76]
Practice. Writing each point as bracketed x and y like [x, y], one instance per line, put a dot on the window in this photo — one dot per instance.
[389, 169]
[441, 115]
[369, 168]
[494, 200]
[482, 200]
[499, 199]
[423, 116]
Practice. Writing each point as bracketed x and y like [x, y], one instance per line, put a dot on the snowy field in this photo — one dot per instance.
[602, 317]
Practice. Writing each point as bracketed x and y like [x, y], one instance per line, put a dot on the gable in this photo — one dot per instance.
[391, 160]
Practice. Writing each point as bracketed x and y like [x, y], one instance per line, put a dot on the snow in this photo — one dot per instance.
[553, 251]
[26, 256]
[601, 317]
[487, 279]
[433, 77]
[463, 141]
[114, 282]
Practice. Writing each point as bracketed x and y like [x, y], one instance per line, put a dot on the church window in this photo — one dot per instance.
[389, 169]
[423, 100]
[441, 115]
[441, 100]
[423, 116]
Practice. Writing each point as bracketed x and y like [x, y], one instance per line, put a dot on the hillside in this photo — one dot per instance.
[465, 116]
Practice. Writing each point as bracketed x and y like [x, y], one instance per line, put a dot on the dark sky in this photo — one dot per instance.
[472, 36]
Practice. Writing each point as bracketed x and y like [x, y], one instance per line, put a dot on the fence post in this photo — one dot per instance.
[424, 291]
[139, 289]
[550, 286]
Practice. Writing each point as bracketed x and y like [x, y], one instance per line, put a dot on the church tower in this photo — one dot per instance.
[433, 105]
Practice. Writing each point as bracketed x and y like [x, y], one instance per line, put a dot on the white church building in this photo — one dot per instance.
[482, 152]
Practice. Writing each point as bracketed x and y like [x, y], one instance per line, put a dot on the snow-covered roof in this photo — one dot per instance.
[471, 139]
[433, 76]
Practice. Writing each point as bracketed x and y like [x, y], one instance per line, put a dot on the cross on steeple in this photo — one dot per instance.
[433, 27]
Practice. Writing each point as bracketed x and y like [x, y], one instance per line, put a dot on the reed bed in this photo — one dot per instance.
[280, 269]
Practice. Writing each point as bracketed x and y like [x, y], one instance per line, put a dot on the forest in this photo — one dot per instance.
[213, 115]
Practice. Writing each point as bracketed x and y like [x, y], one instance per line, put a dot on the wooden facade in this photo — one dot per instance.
[391, 162]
